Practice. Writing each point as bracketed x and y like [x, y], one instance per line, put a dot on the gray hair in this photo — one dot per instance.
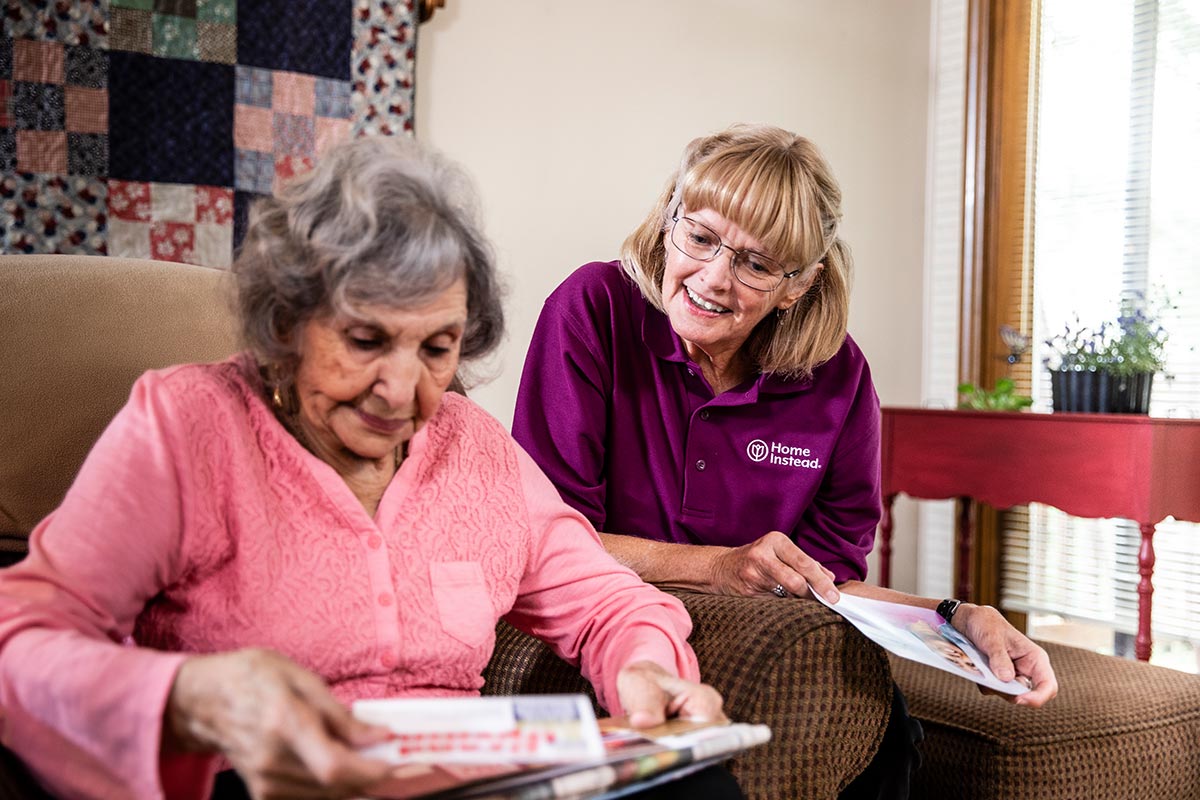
[377, 221]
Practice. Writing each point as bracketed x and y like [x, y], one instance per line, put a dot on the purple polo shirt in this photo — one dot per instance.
[624, 424]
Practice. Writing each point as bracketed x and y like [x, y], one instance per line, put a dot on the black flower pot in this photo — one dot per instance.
[1099, 391]
[1132, 393]
[1082, 390]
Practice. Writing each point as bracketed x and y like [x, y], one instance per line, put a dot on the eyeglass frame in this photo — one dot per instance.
[736, 254]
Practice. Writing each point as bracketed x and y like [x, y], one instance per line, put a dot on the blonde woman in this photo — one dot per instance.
[702, 404]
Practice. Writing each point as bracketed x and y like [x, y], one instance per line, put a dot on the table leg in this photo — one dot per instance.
[964, 536]
[885, 542]
[1145, 590]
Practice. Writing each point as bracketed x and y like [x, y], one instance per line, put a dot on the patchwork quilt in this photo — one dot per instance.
[145, 128]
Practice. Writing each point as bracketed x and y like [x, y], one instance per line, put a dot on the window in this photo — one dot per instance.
[1113, 212]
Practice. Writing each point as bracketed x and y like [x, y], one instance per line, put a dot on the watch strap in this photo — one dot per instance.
[947, 607]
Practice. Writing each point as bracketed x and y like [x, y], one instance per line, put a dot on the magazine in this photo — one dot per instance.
[531, 747]
[920, 634]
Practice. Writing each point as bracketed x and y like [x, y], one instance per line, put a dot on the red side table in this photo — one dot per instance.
[1088, 465]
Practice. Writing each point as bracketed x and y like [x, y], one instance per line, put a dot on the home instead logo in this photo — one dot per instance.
[782, 454]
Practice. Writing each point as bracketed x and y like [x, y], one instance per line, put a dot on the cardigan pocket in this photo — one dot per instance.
[463, 603]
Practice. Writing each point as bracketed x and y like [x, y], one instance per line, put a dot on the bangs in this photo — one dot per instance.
[763, 193]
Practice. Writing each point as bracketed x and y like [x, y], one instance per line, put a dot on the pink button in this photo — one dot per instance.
[373, 541]
[387, 659]
[385, 599]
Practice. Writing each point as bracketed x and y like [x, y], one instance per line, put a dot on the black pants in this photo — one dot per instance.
[712, 783]
[889, 774]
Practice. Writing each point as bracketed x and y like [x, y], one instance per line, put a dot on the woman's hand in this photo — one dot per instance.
[649, 695]
[773, 560]
[1010, 653]
[277, 723]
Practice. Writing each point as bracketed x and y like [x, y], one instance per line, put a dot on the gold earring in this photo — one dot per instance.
[277, 397]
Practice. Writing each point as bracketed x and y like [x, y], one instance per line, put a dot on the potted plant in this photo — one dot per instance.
[1003, 398]
[1109, 368]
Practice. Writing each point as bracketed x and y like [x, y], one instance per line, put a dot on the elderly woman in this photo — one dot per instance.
[702, 404]
[251, 544]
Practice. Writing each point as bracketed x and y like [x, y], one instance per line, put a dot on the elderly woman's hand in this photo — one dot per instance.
[277, 723]
[649, 695]
[1010, 653]
[770, 561]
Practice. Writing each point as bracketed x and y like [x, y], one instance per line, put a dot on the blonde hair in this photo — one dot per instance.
[778, 188]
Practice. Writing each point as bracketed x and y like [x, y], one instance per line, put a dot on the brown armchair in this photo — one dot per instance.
[78, 330]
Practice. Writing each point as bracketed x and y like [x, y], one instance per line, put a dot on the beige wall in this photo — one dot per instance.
[570, 114]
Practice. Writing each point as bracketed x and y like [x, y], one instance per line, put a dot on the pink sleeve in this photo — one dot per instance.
[82, 709]
[586, 606]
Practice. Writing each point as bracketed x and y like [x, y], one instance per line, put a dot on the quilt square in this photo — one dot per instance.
[6, 91]
[132, 30]
[290, 166]
[8, 150]
[216, 42]
[38, 62]
[174, 37]
[42, 151]
[293, 93]
[129, 239]
[332, 98]
[214, 205]
[170, 125]
[79, 22]
[212, 245]
[172, 241]
[384, 62]
[52, 214]
[6, 56]
[140, 5]
[38, 106]
[329, 131]
[255, 87]
[87, 110]
[87, 153]
[254, 171]
[129, 200]
[312, 49]
[253, 128]
[87, 66]
[223, 12]
[294, 135]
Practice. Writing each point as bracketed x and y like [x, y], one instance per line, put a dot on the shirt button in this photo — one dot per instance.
[700, 465]
[385, 599]
[387, 659]
[704, 414]
[373, 541]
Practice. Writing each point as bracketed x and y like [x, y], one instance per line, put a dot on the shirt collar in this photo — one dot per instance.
[662, 341]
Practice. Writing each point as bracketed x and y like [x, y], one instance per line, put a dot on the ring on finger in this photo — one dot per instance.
[779, 591]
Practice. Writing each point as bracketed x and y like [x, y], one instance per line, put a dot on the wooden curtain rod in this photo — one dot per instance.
[426, 9]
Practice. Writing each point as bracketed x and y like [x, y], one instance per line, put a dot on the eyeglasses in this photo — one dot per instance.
[751, 268]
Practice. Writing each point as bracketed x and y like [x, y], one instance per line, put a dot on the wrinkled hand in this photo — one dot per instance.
[277, 723]
[1010, 653]
[649, 695]
[774, 559]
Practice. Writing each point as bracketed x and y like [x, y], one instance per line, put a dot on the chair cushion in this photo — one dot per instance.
[1118, 729]
[77, 332]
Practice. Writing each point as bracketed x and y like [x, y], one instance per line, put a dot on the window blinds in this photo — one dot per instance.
[1117, 126]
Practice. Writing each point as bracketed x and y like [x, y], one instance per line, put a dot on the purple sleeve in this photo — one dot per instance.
[561, 416]
[846, 509]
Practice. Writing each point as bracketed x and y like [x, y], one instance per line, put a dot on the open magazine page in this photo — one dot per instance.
[543, 752]
[920, 634]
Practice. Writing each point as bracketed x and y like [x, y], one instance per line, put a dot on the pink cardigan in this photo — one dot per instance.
[198, 524]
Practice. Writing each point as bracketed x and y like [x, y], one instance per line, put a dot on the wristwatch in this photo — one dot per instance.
[947, 607]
